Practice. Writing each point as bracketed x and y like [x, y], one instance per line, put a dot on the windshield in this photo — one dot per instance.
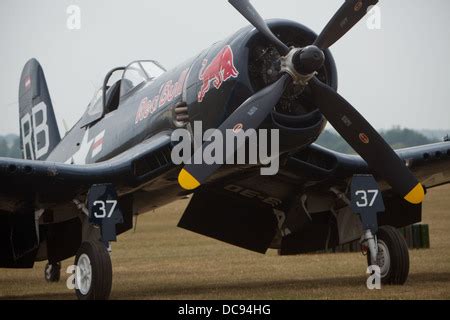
[133, 76]
[95, 106]
[153, 69]
[139, 72]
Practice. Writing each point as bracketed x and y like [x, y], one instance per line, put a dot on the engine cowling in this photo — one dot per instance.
[298, 119]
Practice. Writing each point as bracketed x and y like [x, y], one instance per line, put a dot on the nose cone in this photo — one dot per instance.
[309, 60]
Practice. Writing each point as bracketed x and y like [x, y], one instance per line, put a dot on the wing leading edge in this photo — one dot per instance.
[59, 182]
[429, 163]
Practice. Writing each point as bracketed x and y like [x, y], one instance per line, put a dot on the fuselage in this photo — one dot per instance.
[212, 84]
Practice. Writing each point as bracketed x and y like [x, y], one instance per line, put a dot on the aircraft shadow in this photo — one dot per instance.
[180, 291]
[149, 291]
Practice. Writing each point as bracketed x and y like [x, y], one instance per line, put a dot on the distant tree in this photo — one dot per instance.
[405, 138]
[10, 147]
[334, 142]
[4, 150]
[14, 149]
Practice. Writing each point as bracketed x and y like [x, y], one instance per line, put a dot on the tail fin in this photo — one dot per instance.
[39, 133]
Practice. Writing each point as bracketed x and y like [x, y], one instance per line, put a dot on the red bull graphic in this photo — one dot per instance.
[218, 71]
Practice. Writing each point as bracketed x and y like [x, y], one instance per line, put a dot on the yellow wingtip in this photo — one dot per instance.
[187, 181]
[416, 195]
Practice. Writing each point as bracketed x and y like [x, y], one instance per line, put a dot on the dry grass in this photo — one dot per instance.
[160, 261]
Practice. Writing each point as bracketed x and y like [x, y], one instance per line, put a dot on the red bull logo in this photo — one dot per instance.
[218, 71]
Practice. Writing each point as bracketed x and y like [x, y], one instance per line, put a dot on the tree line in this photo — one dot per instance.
[10, 146]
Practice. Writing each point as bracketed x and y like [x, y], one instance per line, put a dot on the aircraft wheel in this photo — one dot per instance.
[93, 276]
[393, 256]
[52, 272]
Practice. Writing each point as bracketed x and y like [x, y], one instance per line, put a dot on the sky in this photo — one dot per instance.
[398, 74]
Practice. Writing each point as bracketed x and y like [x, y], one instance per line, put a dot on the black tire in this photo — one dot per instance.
[52, 272]
[101, 271]
[396, 272]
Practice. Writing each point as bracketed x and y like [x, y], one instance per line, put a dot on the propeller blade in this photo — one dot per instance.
[249, 115]
[366, 141]
[344, 19]
[249, 12]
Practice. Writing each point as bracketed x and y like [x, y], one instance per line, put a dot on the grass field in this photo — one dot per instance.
[160, 261]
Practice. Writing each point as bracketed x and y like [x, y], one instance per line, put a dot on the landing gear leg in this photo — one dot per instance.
[370, 242]
[52, 272]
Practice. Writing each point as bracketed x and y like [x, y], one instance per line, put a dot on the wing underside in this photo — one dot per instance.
[253, 211]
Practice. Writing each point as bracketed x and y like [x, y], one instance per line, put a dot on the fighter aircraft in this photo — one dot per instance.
[274, 74]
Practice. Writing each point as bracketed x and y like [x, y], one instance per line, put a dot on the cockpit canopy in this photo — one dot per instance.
[113, 92]
[139, 72]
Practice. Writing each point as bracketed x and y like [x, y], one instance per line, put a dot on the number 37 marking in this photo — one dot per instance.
[366, 198]
[101, 212]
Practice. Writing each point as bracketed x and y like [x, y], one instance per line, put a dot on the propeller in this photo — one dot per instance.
[249, 12]
[366, 141]
[249, 115]
[300, 65]
[343, 20]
